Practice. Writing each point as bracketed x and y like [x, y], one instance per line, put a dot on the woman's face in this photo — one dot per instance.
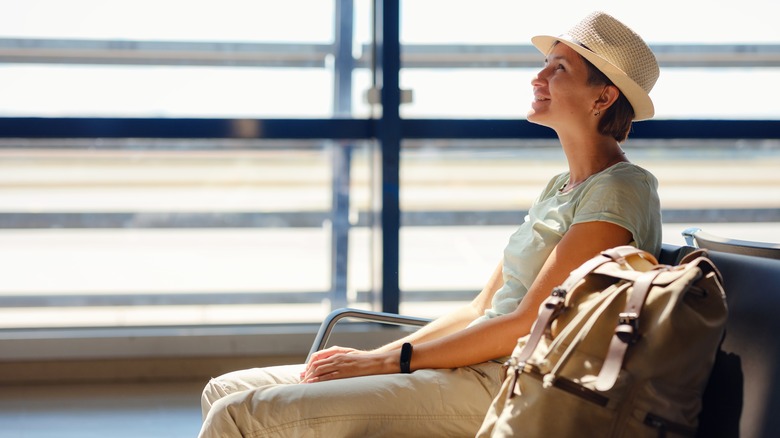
[561, 89]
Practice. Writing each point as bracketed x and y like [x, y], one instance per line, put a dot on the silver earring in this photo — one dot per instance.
[597, 113]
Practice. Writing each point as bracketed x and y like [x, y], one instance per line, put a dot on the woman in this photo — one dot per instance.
[440, 380]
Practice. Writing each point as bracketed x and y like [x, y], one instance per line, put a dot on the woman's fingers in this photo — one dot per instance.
[337, 366]
[324, 354]
[343, 365]
[323, 371]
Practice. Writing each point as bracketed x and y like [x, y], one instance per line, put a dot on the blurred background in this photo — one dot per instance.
[188, 187]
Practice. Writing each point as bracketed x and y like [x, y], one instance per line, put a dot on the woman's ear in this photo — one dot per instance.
[608, 96]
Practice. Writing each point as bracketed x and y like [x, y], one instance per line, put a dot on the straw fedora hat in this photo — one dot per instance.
[618, 52]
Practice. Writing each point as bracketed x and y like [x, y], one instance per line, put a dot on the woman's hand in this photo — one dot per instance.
[339, 363]
[330, 351]
[324, 354]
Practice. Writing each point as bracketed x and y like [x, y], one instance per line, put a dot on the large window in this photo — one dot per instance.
[250, 227]
[175, 58]
[147, 234]
[102, 232]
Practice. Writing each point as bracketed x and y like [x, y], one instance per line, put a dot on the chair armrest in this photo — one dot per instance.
[323, 334]
[698, 238]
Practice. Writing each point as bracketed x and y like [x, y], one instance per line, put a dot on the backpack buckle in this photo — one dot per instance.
[628, 327]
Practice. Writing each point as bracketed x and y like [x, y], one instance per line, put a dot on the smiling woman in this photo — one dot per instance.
[609, 202]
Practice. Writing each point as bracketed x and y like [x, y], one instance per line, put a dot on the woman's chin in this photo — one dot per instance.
[534, 117]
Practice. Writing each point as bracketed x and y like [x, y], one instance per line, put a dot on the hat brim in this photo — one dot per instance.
[638, 98]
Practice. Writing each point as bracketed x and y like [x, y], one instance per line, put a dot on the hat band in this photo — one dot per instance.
[576, 41]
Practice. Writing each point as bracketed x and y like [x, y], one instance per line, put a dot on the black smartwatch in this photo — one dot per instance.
[406, 358]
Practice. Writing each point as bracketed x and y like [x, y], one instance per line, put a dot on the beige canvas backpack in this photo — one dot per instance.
[623, 348]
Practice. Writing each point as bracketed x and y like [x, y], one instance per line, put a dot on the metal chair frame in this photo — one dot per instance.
[700, 239]
[329, 323]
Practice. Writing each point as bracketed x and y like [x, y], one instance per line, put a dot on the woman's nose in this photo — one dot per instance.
[537, 79]
[540, 76]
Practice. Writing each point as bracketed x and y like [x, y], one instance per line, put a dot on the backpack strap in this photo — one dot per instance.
[549, 310]
[620, 253]
[626, 332]
[553, 305]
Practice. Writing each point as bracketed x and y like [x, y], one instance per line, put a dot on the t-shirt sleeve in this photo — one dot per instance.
[628, 200]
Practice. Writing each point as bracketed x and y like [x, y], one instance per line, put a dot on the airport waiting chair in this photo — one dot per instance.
[697, 238]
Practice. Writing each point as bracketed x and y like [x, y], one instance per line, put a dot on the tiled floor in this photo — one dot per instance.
[169, 410]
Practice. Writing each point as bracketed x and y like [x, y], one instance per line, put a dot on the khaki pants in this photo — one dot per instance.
[269, 402]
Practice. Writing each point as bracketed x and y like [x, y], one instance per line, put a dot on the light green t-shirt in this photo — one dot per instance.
[624, 194]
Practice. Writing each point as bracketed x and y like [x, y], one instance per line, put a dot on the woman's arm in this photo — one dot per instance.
[455, 320]
[490, 339]
[445, 325]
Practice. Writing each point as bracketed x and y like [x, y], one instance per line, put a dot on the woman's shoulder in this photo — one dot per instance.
[627, 173]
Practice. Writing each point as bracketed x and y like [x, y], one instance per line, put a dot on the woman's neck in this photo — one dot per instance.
[591, 156]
